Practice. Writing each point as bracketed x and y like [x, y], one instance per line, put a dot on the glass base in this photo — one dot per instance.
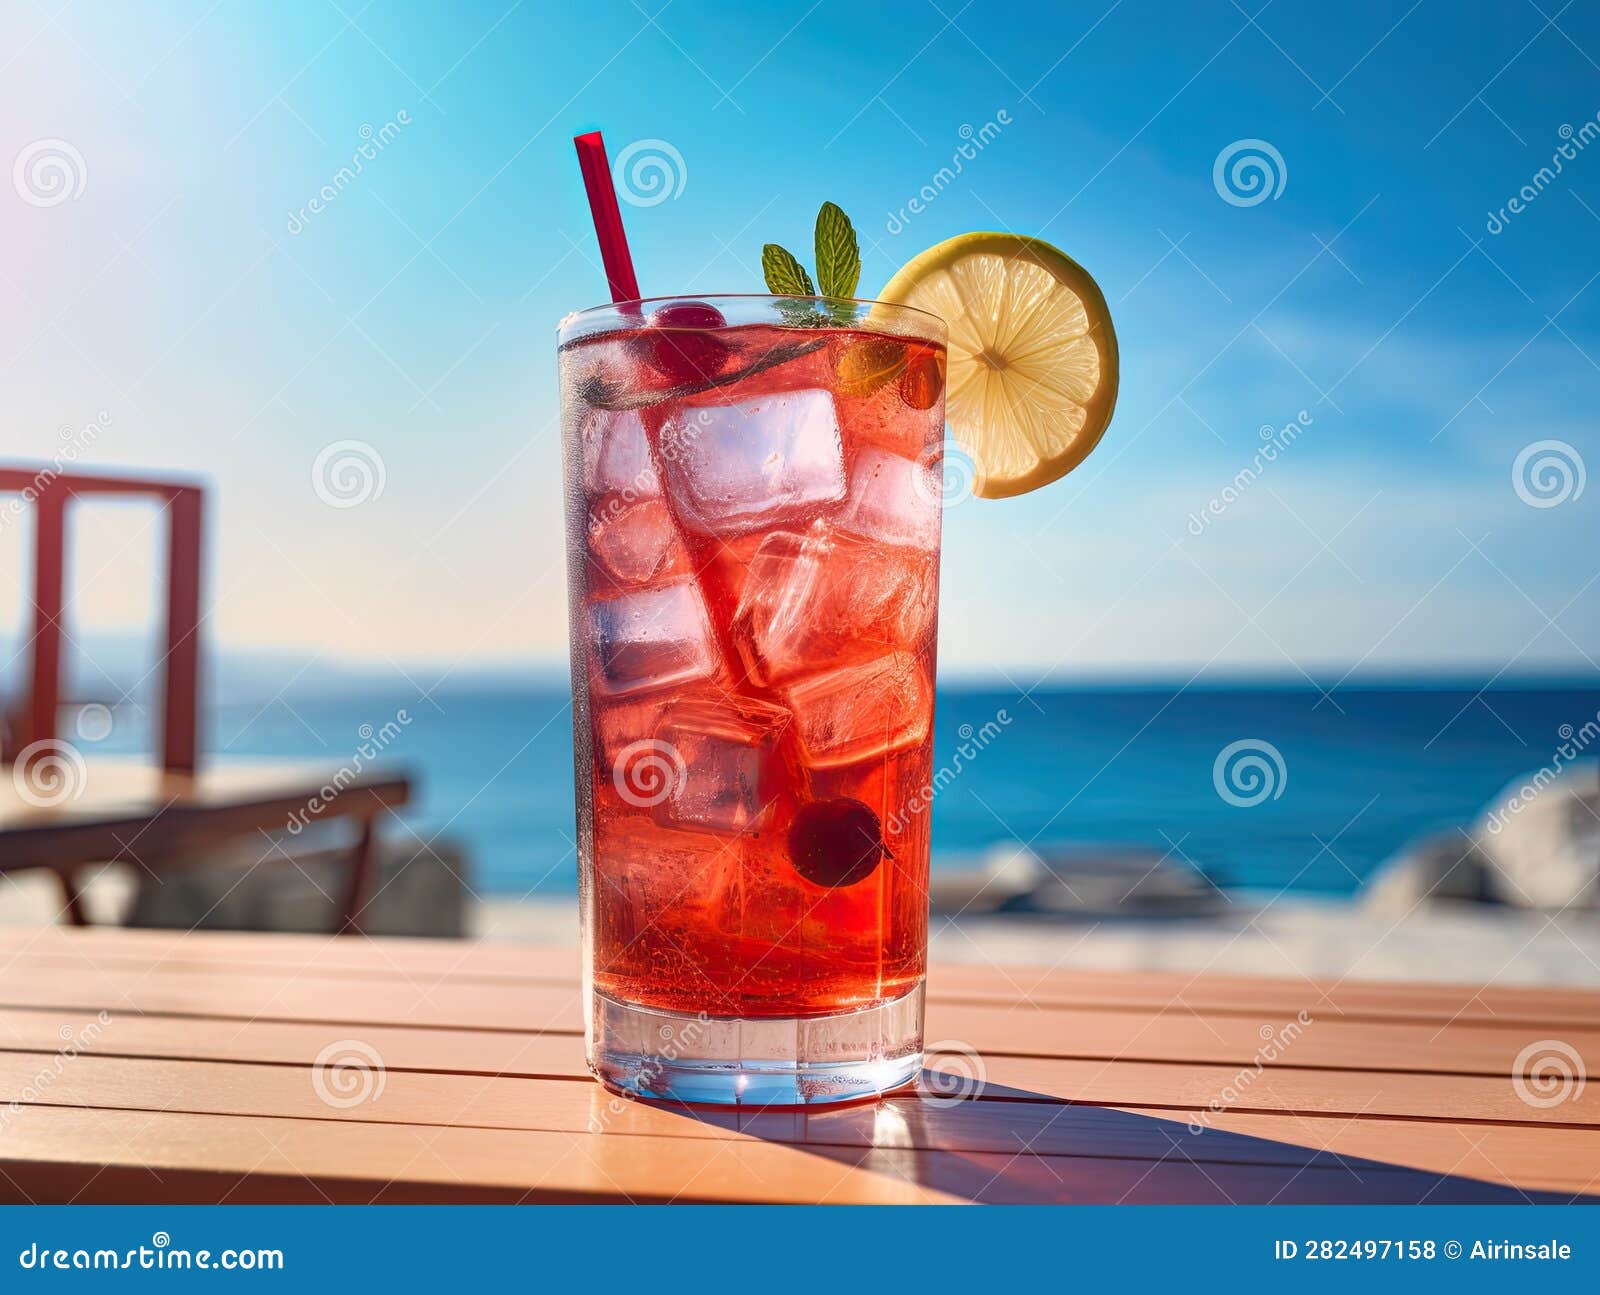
[750, 1061]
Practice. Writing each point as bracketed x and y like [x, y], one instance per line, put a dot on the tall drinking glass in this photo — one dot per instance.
[753, 490]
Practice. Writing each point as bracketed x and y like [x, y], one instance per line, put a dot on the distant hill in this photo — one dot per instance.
[102, 667]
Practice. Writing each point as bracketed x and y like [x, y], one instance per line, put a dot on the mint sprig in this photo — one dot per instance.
[838, 261]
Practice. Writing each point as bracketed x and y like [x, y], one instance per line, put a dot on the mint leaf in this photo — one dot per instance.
[838, 255]
[785, 276]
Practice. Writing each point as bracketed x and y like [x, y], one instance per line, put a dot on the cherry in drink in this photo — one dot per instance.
[753, 509]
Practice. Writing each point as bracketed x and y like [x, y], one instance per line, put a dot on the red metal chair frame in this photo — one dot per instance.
[50, 491]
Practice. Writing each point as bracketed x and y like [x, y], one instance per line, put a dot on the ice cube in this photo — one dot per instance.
[646, 878]
[826, 598]
[651, 638]
[620, 724]
[616, 455]
[726, 748]
[893, 499]
[756, 463]
[860, 712]
[633, 542]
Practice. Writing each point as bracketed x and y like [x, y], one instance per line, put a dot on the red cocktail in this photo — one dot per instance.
[753, 508]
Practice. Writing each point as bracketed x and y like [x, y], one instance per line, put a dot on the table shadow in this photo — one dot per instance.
[1012, 1146]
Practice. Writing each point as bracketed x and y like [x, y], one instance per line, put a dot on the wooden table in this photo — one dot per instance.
[151, 1066]
[146, 816]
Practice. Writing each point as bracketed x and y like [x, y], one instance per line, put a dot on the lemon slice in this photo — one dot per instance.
[1032, 359]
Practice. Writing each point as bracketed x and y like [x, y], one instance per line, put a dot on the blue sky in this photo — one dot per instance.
[416, 312]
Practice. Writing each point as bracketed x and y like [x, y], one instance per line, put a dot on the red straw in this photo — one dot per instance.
[607, 217]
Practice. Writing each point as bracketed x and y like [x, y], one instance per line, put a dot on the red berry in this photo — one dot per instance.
[681, 343]
[836, 842]
[922, 383]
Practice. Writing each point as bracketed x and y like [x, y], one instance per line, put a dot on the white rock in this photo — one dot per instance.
[1541, 835]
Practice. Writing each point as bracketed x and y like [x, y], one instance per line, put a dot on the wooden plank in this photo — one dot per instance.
[331, 960]
[1542, 1158]
[453, 1001]
[487, 1052]
[1531, 1158]
[1338, 1044]
[1268, 998]
[285, 953]
[505, 1101]
[1352, 1094]
[425, 1000]
[1334, 1042]
[55, 1154]
[472, 1052]
[61, 1153]
[1512, 1006]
